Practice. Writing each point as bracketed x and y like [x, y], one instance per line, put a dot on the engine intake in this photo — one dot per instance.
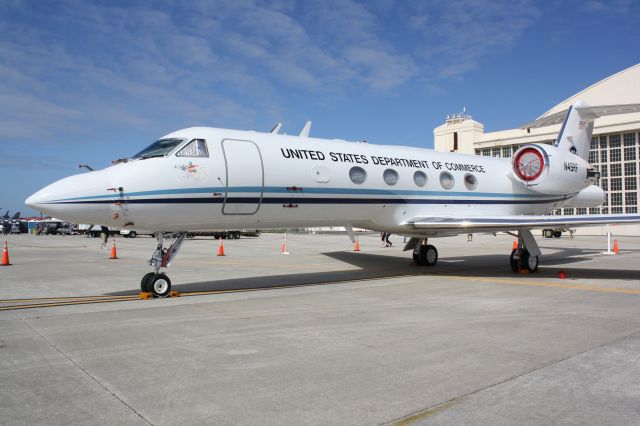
[551, 170]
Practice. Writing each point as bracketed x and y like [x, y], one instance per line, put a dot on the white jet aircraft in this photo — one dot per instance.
[204, 178]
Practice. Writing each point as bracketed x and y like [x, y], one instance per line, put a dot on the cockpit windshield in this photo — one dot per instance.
[159, 148]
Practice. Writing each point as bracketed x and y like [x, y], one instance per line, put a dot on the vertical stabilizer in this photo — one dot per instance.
[576, 131]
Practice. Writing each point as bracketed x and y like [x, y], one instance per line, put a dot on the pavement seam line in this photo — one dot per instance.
[86, 372]
[418, 415]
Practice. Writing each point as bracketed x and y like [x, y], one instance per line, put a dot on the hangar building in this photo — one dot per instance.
[614, 146]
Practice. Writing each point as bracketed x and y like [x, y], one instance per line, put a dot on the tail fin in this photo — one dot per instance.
[577, 127]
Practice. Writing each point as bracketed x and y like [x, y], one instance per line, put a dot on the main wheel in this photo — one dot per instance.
[159, 285]
[426, 255]
[529, 262]
[557, 234]
[144, 282]
[548, 233]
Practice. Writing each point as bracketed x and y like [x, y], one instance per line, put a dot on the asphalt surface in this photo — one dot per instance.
[322, 336]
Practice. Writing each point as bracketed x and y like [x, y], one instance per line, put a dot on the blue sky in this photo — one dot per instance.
[92, 81]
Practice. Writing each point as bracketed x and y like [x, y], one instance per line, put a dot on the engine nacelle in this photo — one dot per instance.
[550, 170]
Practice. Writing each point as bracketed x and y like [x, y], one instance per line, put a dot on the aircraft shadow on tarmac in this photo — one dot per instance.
[373, 266]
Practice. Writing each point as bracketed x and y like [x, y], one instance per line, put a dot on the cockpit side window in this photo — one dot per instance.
[159, 148]
[195, 148]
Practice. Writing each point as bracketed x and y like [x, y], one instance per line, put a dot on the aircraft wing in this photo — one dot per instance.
[463, 224]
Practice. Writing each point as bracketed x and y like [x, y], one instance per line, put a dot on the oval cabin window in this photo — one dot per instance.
[357, 175]
[390, 176]
[420, 178]
[446, 180]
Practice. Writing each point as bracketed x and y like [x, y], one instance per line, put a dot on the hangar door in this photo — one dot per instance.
[245, 177]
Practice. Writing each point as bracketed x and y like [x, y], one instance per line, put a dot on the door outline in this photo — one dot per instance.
[226, 166]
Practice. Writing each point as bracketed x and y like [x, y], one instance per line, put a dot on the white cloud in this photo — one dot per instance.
[219, 62]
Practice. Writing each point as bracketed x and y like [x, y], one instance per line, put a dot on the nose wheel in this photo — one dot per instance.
[156, 282]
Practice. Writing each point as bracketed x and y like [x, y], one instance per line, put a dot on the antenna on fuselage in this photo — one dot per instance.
[306, 129]
[276, 128]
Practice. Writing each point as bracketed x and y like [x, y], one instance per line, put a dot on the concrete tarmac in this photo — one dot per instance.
[323, 335]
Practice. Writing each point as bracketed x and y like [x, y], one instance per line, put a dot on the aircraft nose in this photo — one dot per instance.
[34, 201]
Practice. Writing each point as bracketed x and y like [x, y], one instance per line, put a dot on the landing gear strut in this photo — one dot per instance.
[155, 282]
[525, 257]
[425, 254]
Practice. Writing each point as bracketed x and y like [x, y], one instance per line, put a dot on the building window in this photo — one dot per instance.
[616, 198]
[614, 141]
[594, 142]
[455, 141]
[632, 209]
[506, 151]
[616, 169]
[629, 139]
[603, 142]
[593, 157]
[581, 211]
[446, 180]
[478, 152]
[630, 154]
[631, 198]
[357, 175]
[616, 184]
[486, 152]
[569, 211]
[603, 156]
[604, 184]
[420, 178]
[495, 152]
[470, 181]
[390, 176]
[594, 210]
[630, 169]
[605, 211]
[604, 170]
[195, 148]
[630, 183]
[615, 155]
[616, 210]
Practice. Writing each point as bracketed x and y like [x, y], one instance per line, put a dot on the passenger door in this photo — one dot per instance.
[245, 177]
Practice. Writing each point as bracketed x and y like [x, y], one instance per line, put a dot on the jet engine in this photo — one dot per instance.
[550, 170]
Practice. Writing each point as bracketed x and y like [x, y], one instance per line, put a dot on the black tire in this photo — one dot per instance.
[144, 282]
[133, 234]
[529, 262]
[548, 233]
[557, 234]
[159, 285]
[515, 263]
[426, 255]
[236, 235]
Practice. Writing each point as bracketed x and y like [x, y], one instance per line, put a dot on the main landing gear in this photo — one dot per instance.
[423, 254]
[525, 256]
[155, 282]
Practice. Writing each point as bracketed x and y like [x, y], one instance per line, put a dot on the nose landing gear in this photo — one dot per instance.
[155, 282]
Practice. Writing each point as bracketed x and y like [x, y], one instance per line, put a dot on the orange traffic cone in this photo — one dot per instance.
[283, 249]
[220, 248]
[356, 247]
[114, 252]
[615, 246]
[5, 255]
[515, 245]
